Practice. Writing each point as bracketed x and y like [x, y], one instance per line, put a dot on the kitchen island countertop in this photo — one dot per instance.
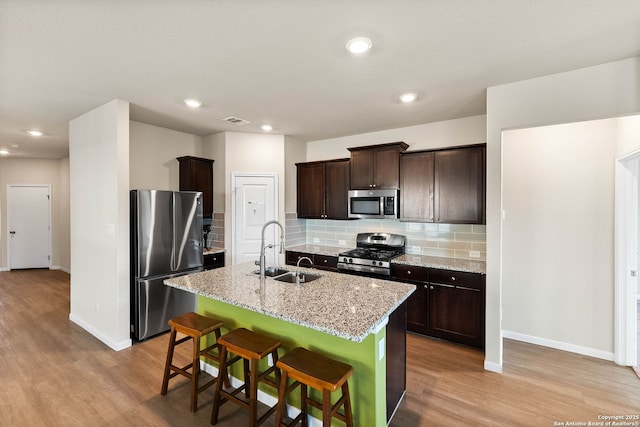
[346, 306]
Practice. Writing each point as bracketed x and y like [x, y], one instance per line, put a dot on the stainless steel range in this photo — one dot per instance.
[373, 253]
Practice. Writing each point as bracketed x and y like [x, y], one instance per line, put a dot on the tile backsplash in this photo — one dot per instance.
[443, 240]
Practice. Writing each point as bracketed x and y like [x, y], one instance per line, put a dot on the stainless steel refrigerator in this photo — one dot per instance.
[166, 241]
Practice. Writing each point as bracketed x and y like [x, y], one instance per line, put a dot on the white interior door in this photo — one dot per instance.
[29, 226]
[254, 202]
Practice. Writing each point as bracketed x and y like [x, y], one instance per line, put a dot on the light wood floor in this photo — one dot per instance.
[53, 373]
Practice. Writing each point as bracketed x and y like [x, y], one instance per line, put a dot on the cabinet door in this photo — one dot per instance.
[387, 168]
[416, 186]
[456, 314]
[196, 174]
[362, 169]
[459, 186]
[417, 303]
[336, 189]
[310, 190]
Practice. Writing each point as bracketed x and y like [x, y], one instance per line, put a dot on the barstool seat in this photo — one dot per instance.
[250, 347]
[310, 369]
[194, 326]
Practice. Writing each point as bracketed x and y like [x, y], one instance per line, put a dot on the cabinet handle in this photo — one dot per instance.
[431, 287]
[325, 261]
[408, 271]
[425, 286]
[453, 279]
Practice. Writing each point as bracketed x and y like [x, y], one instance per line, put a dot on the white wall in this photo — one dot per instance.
[214, 148]
[295, 151]
[558, 235]
[465, 131]
[51, 172]
[153, 151]
[99, 177]
[601, 91]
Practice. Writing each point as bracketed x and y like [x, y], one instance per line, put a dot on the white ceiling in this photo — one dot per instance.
[283, 62]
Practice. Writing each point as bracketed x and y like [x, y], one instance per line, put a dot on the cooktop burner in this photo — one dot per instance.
[373, 253]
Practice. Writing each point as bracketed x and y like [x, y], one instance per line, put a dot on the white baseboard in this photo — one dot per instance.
[559, 345]
[57, 267]
[493, 367]
[117, 346]
[263, 397]
[4, 269]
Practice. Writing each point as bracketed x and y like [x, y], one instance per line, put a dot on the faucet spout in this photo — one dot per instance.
[298, 267]
[263, 247]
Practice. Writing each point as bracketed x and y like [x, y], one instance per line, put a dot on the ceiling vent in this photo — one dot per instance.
[235, 120]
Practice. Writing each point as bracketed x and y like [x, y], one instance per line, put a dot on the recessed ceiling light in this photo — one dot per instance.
[267, 127]
[359, 45]
[34, 132]
[193, 103]
[408, 97]
[4, 152]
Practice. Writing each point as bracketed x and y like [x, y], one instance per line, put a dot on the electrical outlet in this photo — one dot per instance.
[341, 243]
[381, 348]
[269, 359]
[416, 249]
[316, 240]
[474, 254]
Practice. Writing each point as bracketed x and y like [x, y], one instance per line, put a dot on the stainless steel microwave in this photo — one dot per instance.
[373, 203]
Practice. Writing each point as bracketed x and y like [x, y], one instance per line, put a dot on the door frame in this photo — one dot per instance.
[627, 219]
[232, 192]
[9, 186]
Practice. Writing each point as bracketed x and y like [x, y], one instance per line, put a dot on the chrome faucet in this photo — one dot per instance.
[298, 267]
[263, 247]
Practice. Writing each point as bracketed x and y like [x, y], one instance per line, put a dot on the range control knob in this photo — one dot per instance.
[350, 260]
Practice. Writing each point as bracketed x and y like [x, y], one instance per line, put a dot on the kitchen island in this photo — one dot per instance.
[357, 320]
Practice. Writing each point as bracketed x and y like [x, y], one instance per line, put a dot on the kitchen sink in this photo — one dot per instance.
[272, 271]
[290, 277]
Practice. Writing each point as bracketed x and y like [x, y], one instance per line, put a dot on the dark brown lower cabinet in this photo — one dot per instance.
[396, 358]
[321, 262]
[446, 304]
[457, 307]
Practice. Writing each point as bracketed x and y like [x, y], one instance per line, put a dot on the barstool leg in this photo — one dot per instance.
[167, 366]
[326, 408]
[195, 373]
[217, 397]
[303, 404]
[281, 409]
[347, 405]
[253, 398]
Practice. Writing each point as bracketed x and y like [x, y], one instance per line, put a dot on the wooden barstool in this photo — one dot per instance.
[250, 347]
[194, 326]
[311, 369]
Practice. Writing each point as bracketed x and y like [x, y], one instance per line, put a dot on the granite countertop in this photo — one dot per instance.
[211, 251]
[456, 264]
[346, 306]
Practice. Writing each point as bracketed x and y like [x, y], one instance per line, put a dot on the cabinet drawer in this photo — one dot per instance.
[212, 261]
[456, 278]
[292, 257]
[325, 261]
[409, 272]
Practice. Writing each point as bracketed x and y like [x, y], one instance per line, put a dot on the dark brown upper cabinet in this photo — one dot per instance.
[196, 174]
[322, 189]
[376, 166]
[446, 186]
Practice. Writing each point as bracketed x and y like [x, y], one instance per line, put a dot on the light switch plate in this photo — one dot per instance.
[341, 242]
[474, 254]
[316, 240]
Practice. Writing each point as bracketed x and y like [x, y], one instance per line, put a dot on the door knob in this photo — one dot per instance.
[12, 232]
